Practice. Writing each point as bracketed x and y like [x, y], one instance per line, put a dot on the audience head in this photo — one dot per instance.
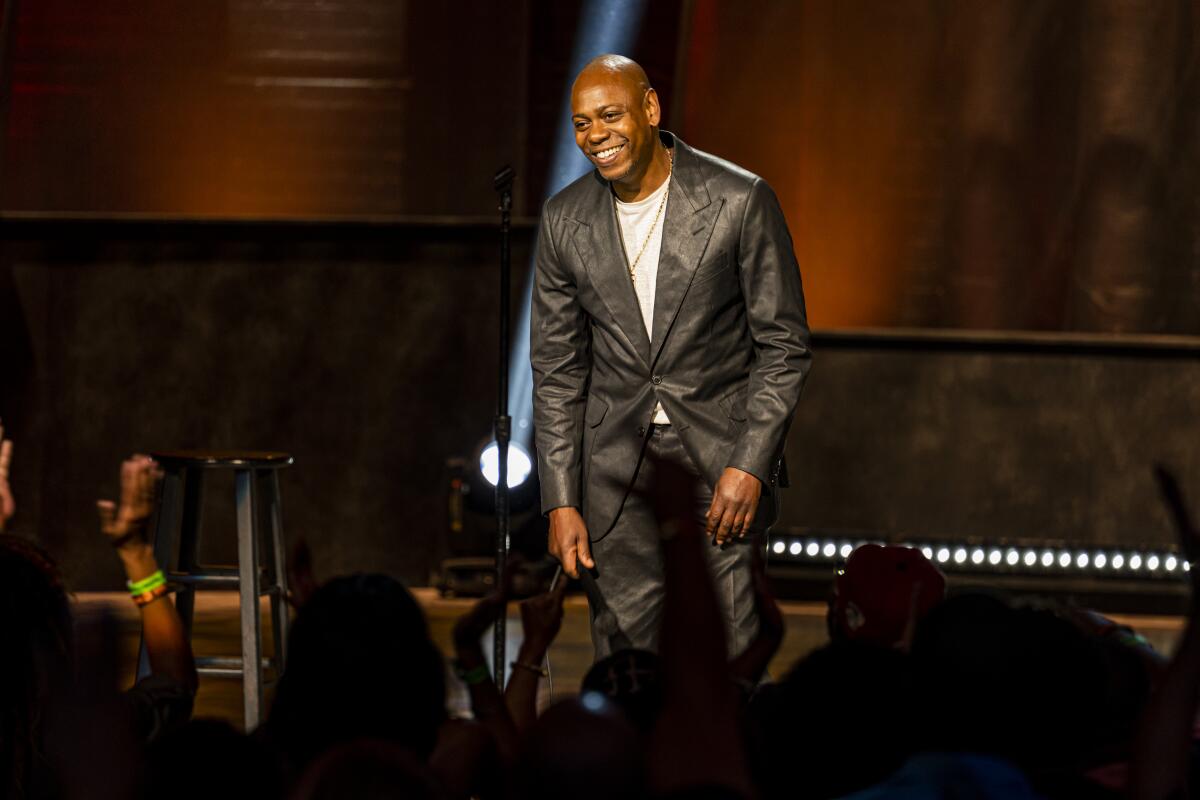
[581, 748]
[360, 665]
[1018, 683]
[836, 723]
[367, 769]
[632, 681]
[35, 623]
[881, 593]
[192, 749]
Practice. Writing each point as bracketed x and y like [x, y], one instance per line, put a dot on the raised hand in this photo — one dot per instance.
[8, 506]
[126, 525]
[735, 500]
[541, 619]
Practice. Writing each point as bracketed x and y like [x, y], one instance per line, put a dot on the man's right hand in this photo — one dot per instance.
[569, 540]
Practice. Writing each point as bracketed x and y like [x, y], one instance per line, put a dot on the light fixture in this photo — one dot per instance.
[519, 464]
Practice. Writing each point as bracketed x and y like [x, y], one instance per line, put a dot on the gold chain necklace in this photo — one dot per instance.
[654, 225]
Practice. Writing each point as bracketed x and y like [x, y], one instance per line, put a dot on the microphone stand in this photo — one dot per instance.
[502, 426]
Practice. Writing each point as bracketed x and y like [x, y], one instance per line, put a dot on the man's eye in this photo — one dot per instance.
[580, 125]
[611, 116]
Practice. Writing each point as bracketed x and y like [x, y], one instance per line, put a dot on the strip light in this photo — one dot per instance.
[959, 557]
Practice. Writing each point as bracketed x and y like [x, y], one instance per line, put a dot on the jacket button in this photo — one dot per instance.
[641, 430]
[657, 379]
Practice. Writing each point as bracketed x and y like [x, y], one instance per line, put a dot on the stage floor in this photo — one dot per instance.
[216, 633]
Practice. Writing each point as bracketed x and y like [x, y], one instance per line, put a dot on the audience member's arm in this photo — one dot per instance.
[126, 527]
[697, 741]
[486, 701]
[1163, 749]
[541, 618]
[8, 506]
[748, 668]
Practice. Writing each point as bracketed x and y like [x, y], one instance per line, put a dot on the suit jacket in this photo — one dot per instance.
[727, 355]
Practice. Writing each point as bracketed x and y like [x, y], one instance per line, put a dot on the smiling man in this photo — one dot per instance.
[668, 322]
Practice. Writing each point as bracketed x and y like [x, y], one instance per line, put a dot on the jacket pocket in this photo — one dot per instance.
[712, 269]
[734, 404]
[595, 411]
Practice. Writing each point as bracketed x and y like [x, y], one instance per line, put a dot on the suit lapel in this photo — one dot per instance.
[691, 216]
[598, 241]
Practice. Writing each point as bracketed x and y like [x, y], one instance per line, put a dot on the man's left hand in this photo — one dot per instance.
[733, 505]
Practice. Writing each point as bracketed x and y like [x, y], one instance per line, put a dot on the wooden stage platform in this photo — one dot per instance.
[216, 633]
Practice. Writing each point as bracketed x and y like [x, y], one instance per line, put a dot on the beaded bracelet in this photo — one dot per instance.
[531, 667]
[149, 596]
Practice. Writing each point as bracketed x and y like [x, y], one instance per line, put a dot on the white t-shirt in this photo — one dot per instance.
[635, 220]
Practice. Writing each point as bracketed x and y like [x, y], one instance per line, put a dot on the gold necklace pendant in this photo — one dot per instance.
[654, 225]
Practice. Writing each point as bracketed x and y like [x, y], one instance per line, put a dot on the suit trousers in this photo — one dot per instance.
[629, 561]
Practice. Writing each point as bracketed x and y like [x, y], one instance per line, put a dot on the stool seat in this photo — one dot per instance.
[210, 459]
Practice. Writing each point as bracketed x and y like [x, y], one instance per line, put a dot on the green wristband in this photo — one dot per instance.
[147, 584]
[473, 677]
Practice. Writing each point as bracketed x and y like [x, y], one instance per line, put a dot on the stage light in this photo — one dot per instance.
[995, 557]
[830, 550]
[519, 464]
[1030, 558]
[927, 552]
[1081, 560]
[812, 549]
[1012, 557]
[796, 548]
[1064, 559]
[943, 555]
[1118, 560]
[1135, 561]
[846, 550]
[1152, 563]
[1100, 560]
[779, 547]
[977, 556]
[960, 555]
[1047, 559]
[1171, 563]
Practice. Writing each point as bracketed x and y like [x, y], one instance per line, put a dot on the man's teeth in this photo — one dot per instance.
[609, 153]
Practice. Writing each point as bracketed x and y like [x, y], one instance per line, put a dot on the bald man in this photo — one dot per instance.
[668, 320]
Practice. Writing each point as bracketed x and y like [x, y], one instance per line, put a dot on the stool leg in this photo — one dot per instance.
[189, 542]
[278, 571]
[166, 531]
[247, 529]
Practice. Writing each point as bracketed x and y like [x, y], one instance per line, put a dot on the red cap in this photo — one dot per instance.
[880, 587]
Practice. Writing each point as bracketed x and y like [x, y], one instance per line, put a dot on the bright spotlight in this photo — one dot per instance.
[1012, 557]
[994, 557]
[519, 465]
[1171, 563]
[1030, 558]
[846, 550]
[1047, 559]
[1100, 560]
[1135, 561]
[960, 555]
[977, 556]
[1081, 560]
[927, 552]
[1152, 563]
[829, 550]
[1118, 560]
[796, 548]
[812, 549]
[943, 555]
[1064, 560]
[779, 547]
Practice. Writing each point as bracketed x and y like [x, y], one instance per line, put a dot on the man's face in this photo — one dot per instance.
[614, 123]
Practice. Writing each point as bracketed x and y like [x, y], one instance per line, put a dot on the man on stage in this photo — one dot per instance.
[668, 320]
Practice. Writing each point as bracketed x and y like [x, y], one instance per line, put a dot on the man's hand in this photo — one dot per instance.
[126, 525]
[569, 540]
[8, 506]
[733, 505]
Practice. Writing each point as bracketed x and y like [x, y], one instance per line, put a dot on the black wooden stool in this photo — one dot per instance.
[177, 538]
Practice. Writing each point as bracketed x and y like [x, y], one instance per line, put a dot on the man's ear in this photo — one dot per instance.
[652, 108]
